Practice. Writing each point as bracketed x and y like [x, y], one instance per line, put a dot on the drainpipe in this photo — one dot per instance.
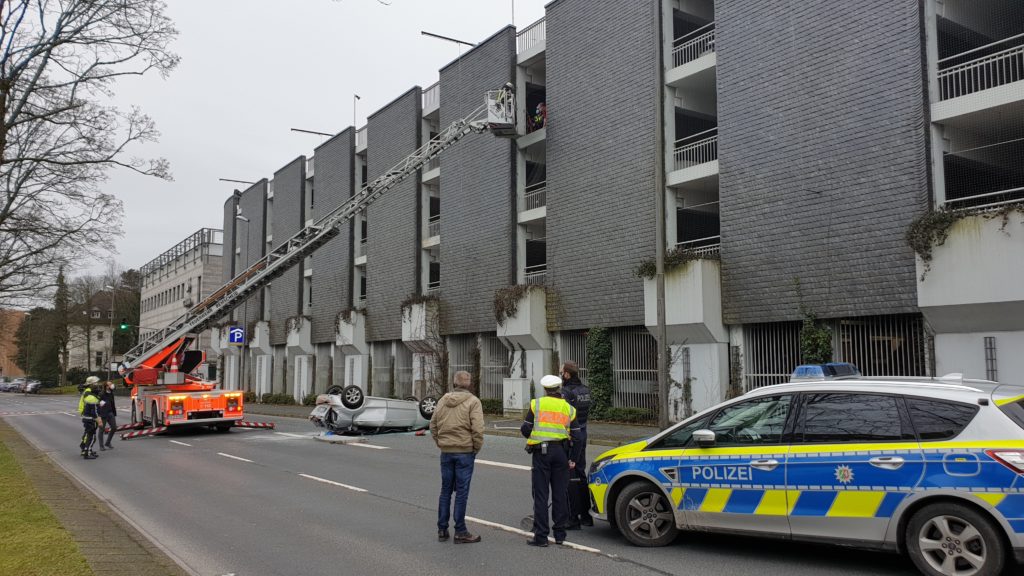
[659, 211]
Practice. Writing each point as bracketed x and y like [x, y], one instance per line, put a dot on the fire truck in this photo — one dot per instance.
[159, 368]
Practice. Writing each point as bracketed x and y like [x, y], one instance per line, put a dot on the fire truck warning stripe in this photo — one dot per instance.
[333, 483]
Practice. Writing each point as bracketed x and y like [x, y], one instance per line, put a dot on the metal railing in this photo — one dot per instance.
[770, 353]
[433, 286]
[361, 137]
[635, 372]
[982, 73]
[702, 246]
[433, 164]
[200, 239]
[432, 96]
[494, 367]
[536, 195]
[434, 226]
[892, 345]
[692, 46]
[987, 200]
[536, 274]
[532, 35]
[695, 150]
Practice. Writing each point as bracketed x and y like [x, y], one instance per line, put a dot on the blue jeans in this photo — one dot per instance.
[456, 472]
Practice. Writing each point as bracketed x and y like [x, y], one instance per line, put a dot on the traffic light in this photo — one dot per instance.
[124, 324]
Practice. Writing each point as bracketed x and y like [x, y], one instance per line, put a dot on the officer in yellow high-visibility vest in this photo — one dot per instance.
[550, 429]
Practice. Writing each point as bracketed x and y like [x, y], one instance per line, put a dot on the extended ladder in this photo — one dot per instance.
[497, 115]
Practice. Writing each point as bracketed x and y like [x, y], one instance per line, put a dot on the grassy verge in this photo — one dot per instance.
[60, 390]
[33, 541]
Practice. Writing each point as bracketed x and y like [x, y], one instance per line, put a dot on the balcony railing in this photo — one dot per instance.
[361, 137]
[432, 96]
[433, 286]
[434, 226]
[982, 73]
[697, 149]
[433, 163]
[536, 274]
[532, 35]
[536, 195]
[693, 45]
[702, 246]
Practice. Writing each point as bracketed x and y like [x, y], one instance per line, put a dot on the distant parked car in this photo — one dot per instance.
[349, 410]
[32, 387]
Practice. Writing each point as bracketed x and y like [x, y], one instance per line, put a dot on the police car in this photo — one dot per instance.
[933, 468]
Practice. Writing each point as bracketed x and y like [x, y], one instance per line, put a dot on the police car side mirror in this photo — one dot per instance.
[704, 438]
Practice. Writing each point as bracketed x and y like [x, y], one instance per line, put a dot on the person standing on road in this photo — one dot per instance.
[549, 427]
[457, 426]
[108, 412]
[88, 404]
[577, 394]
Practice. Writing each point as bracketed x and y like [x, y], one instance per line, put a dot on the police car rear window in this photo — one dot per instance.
[852, 418]
[937, 420]
[1015, 410]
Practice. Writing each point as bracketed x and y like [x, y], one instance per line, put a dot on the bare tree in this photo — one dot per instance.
[60, 136]
[83, 289]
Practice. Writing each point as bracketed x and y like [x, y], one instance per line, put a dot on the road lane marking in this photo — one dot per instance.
[183, 444]
[503, 465]
[67, 414]
[529, 534]
[333, 483]
[290, 435]
[233, 457]
[365, 445]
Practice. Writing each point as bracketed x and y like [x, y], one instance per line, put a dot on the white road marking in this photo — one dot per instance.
[68, 414]
[182, 444]
[333, 483]
[503, 465]
[529, 534]
[233, 457]
[365, 445]
[290, 435]
[123, 410]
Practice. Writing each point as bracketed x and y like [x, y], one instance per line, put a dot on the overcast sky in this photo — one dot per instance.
[253, 69]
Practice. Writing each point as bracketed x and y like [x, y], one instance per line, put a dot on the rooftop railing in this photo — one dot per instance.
[692, 46]
[957, 78]
[532, 35]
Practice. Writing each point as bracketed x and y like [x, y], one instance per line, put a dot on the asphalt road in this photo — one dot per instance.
[278, 503]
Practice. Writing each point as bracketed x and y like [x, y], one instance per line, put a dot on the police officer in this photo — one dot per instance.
[577, 394]
[88, 404]
[549, 427]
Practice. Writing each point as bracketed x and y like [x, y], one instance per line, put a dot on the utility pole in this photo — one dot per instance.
[110, 314]
[659, 211]
[245, 311]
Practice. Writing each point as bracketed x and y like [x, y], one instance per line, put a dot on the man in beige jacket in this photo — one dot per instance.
[458, 430]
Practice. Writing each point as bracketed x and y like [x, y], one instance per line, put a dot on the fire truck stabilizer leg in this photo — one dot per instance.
[146, 432]
[247, 424]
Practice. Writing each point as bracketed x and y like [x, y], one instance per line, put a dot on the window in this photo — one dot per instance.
[936, 420]
[96, 314]
[110, 314]
[757, 421]
[99, 360]
[99, 335]
[681, 437]
[991, 373]
[853, 418]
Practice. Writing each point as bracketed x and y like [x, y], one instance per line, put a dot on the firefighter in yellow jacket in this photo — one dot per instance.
[88, 403]
[553, 438]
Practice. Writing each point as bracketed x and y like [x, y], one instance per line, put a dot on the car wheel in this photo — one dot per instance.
[223, 427]
[427, 406]
[644, 515]
[335, 390]
[948, 539]
[352, 397]
[411, 399]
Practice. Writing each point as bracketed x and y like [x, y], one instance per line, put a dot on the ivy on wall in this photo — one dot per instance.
[674, 258]
[599, 371]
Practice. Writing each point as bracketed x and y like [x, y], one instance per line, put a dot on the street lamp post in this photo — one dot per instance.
[245, 311]
[110, 315]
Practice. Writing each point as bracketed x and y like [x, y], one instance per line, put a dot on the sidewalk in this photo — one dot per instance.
[110, 545]
[603, 433]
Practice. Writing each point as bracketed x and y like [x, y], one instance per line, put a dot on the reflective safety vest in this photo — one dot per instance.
[551, 418]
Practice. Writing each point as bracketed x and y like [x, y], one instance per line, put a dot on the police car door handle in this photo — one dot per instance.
[767, 465]
[887, 462]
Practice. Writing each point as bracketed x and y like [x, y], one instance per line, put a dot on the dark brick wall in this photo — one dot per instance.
[477, 194]
[253, 204]
[822, 156]
[393, 243]
[333, 181]
[601, 95]
[289, 218]
[230, 209]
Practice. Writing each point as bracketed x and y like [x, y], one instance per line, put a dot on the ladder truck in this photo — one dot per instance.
[159, 368]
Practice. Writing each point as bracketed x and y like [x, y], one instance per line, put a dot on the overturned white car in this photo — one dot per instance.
[349, 410]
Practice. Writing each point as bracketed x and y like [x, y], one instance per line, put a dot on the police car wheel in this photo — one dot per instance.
[352, 397]
[948, 539]
[644, 515]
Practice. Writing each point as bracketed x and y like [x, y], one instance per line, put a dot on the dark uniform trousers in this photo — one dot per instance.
[89, 424]
[579, 491]
[551, 478]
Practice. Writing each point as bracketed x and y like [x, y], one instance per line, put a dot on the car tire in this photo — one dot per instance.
[222, 427]
[335, 390]
[411, 399]
[352, 397]
[934, 543]
[427, 406]
[644, 515]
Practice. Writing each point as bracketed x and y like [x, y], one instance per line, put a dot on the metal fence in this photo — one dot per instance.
[403, 372]
[494, 367]
[892, 345]
[635, 371]
[697, 149]
[536, 195]
[983, 73]
[532, 35]
[693, 45]
[572, 345]
[460, 354]
[770, 352]
[380, 375]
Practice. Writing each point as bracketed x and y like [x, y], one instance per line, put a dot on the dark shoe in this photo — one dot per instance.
[584, 520]
[559, 539]
[537, 542]
[575, 526]
[90, 456]
[111, 447]
[559, 542]
[102, 448]
[466, 538]
[442, 535]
